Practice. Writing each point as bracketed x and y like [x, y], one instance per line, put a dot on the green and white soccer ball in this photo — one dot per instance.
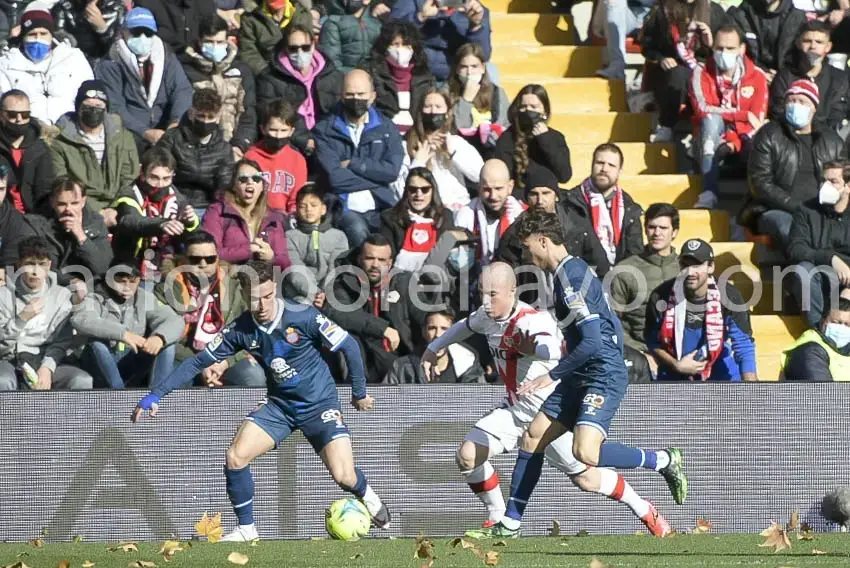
[347, 519]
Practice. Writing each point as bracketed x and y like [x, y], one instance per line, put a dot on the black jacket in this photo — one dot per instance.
[178, 20]
[14, 227]
[463, 368]
[832, 85]
[95, 253]
[70, 15]
[769, 35]
[818, 233]
[549, 150]
[773, 165]
[810, 362]
[35, 173]
[656, 42]
[395, 231]
[386, 92]
[202, 170]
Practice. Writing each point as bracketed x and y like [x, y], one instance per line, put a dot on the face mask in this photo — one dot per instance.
[153, 193]
[301, 60]
[36, 51]
[813, 58]
[275, 5]
[92, 116]
[433, 122]
[15, 130]
[474, 78]
[351, 6]
[275, 144]
[725, 60]
[838, 334]
[797, 115]
[140, 46]
[202, 129]
[528, 118]
[401, 55]
[828, 194]
[460, 258]
[355, 108]
[214, 51]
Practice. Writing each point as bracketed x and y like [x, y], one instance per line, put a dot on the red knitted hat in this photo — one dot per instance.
[805, 87]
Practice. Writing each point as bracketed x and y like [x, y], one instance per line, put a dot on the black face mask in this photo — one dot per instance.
[202, 129]
[15, 130]
[527, 119]
[275, 144]
[351, 6]
[433, 122]
[92, 116]
[153, 193]
[355, 108]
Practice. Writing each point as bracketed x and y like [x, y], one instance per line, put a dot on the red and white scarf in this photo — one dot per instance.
[728, 88]
[206, 320]
[673, 326]
[607, 224]
[685, 46]
[419, 240]
[490, 234]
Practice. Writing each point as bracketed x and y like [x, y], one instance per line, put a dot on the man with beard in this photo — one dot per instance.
[696, 329]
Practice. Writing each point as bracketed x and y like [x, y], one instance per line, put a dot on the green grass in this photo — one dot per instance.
[680, 551]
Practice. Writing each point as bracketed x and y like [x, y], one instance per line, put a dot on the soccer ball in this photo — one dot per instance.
[347, 519]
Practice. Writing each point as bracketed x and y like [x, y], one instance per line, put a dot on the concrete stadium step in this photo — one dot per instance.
[738, 263]
[519, 6]
[573, 95]
[548, 61]
[679, 190]
[712, 226]
[773, 335]
[534, 29]
[600, 127]
[638, 158]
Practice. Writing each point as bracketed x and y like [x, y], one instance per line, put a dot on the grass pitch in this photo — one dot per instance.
[680, 551]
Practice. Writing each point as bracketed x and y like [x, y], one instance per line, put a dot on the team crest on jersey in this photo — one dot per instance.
[292, 336]
[419, 236]
[747, 92]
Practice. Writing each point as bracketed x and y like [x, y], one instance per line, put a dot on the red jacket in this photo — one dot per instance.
[285, 173]
[749, 96]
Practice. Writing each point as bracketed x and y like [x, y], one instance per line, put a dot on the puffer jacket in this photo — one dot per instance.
[347, 40]
[259, 35]
[202, 169]
[231, 233]
[773, 166]
[316, 248]
[50, 84]
[34, 175]
[234, 82]
[769, 35]
[102, 180]
[70, 15]
[463, 368]
[14, 227]
[818, 233]
[832, 85]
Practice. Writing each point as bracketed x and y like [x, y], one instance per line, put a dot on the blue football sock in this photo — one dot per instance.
[240, 490]
[620, 456]
[359, 489]
[525, 477]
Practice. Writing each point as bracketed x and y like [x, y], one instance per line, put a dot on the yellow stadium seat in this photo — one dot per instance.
[678, 190]
[533, 29]
[639, 158]
[708, 225]
[573, 95]
[773, 334]
[519, 6]
[601, 127]
[738, 263]
[551, 62]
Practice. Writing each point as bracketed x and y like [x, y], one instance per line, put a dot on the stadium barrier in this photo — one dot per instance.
[73, 462]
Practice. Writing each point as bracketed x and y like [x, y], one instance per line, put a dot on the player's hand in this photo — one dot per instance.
[134, 341]
[153, 345]
[524, 343]
[689, 366]
[149, 403]
[533, 385]
[212, 375]
[393, 337]
[363, 404]
[429, 365]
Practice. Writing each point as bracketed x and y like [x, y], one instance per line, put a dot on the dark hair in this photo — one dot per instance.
[730, 29]
[521, 138]
[657, 210]
[292, 28]
[681, 13]
[13, 94]
[198, 237]
[539, 222]
[262, 269]
[843, 165]
[66, 183]
[843, 305]
[434, 210]
[417, 135]
[258, 213]
[34, 247]
[410, 34]
[487, 93]
[211, 25]
[608, 147]
[310, 188]
[207, 101]
[376, 240]
[446, 313]
[814, 26]
[158, 157]
[281, 109]
[121, 269]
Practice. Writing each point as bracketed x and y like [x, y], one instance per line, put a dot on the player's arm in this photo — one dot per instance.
[337, 339]
[540, 337]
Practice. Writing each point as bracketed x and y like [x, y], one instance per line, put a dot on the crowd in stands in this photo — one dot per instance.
[367, 151]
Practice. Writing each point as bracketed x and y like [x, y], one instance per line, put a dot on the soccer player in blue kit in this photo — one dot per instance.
[593, 379]
[285, 339]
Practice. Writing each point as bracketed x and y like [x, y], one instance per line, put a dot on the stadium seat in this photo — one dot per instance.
[586, 94]
[678, 190]
[548, 61]
[639, 158]
[601, 127]
[532, 29]
[519, 6]
[709, 225]
[773, 334]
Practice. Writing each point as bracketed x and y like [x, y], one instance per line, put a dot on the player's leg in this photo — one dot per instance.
[338, 458]
[494, 434]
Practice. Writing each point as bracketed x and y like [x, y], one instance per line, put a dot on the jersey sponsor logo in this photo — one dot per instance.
[216, 341]
[501, 354]
[292, 335]
[332, 415]
[282, 370]
[593, 402]
[331, 331]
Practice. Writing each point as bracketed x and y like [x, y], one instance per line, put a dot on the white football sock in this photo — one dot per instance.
[484, 482]
[614, 486]
[662, 459]
[372, 501]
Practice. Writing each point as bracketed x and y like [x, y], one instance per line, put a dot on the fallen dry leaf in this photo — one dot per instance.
[462, 542]
[237, 558]
[703, 526]
[582, 532]
[88, 564]
[255, 542]
[43, 531]
[424, 548]
[17, 565]
[356, 556]
[78, 539]
[63, 564]
[817, 552]
[556, 529]
[22, 555]
[210, 527]
[776, 537]
[596, 563]
[794, 521]
[37, 542]
[142, 564]
[500, 543]
[491, 558]
[124, 547]
[169, 547]
[805, 532]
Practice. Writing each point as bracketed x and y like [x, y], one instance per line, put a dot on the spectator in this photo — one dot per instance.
[819, 244]
[35, 333]
[529, 143]
[446, 29]
[261, 30]
[622, 19]
[431, 143]
[809, 62]
[729, 99]
[145, 82]
[208, 298]
[610, 211]
[25, 155]
[821, 354]
[283, 166]
[675, 37]
[301, 75]
[638, 275]
[314, 246]
[840, 24]
[490, 214]
[770, 27]
[14, 227]
[480, 108]
[347, 39]
[704, 333]
[212, 64]
[48, 71]
[784, 167]
[243, 225]
[94, 24]
[204, 158]
[360, 153]
[129, 334]
[12, 11]
[455, 364]
[399, 67]
[416, 222]
[179, 20]
[152, 215]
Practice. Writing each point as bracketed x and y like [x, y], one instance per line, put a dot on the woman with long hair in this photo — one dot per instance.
[243, 225]
[530, 143]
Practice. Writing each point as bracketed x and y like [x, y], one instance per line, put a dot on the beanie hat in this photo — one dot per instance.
[91, 89]
[806, 88]
[33, 19]
[539, 176]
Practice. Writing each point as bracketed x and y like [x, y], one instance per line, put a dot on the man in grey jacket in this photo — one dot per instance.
[132, 334]
[35, 333]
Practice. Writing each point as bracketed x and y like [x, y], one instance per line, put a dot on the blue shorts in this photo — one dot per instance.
[586, 403]
[320, 428]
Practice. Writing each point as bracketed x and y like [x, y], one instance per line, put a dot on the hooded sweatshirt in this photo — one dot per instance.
[285, 172]
[315, 247]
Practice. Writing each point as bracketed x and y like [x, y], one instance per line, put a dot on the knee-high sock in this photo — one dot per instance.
[620, 456]
[364, 492]
[525, 477]
[613, 486]
[484, 482]
[240, 490]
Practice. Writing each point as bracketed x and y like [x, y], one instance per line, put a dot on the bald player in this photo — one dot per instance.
[524, 343]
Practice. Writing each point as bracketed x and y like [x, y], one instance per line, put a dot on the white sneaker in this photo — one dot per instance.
[662, 134]
[706, 200]
[242, 533]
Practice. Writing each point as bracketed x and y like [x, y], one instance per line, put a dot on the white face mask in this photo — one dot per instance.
[725, 60]
[828, 194]
[302, 59]
[401, 55]
[838, 334]
[474, 78]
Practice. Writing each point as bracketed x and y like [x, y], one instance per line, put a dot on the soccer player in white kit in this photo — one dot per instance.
[525, 343]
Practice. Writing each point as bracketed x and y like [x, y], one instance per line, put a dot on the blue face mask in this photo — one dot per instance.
[213, 51]
[460, 258]
[838, 334]
[36, 50]
[798, 115]
[140, 46]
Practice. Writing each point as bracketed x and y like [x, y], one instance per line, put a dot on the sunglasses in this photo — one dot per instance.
[256, 178]
[423, 189]
[198, 259]
[138, 32]
[296, 48]
[14, 114]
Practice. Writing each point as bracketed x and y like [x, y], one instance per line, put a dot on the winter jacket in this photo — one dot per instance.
[14, 227]
[750, 96]
[549, 150]
[202, 169]
[833, 88]
[656, 41]
[102, 180]
[773, 165]
[347, 40]
[629, 290]
[810, 357]
[100, 317]
[231, 233]
[374, 163]
[285, 171]
[70, 15]
[259, 35]
[818, 233]
[386, 98]
[316, 248]
[34, 174]
[47, 336]
[769, 35]
[234, 82]
[178, 20]
[443, 34]
[50, 84]
[463, 368]
[396, 232]
[169, 96]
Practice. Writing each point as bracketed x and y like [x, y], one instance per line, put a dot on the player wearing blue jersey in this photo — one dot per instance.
[284, 338]
[593, 379]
